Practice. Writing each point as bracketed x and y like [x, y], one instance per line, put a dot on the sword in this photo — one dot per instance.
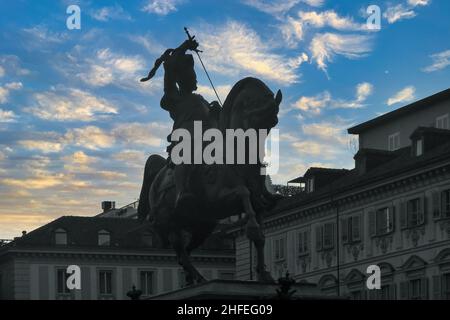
[204, 68]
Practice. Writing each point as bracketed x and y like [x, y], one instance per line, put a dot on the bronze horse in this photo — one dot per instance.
[222, 190]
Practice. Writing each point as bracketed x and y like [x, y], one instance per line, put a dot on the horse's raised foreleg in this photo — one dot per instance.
[256, 235]
[192, 274]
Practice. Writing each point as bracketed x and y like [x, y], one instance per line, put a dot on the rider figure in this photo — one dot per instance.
[185, 107]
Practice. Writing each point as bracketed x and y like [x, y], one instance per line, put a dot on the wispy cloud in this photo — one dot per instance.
[315, 104]
[7, 115]
[278, 8]
[440, 61]
[235, 49]
[110, 13]
[405, 95]
[70, 105]
[325, 46]
[161, 7]
[403, 11]
[293, 29]
[6, 90]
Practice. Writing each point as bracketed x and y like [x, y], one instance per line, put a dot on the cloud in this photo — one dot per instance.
[10, 64]
[7, 116]
[325, 46]
[6, 90]
[440, 61]
[402, 11]
[151, 134]
[161, 7]
[404, 95]
[131, 158]
[110, 13]
[42, 145]
[279, 7]
[326, 132]
[70, 105]
[294, 28]
[41, 35]
[208, 93]
[235, 50]
[90, 137]
[315, 104]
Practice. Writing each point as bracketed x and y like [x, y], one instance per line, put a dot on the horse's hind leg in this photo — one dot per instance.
[255, 234]
[192, 274]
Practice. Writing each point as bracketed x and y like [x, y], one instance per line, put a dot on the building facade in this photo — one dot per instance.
[392, 210]
[113, 255]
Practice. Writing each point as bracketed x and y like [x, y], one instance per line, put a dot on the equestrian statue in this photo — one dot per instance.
[185, 202]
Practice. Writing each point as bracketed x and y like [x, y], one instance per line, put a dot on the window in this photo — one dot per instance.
[104, 238]
[357, 295]
[442, 122]
[415, 289]
[303, 242]
[384, 221]
[61, 281]
[328, 237]
[147, 239]
[310, 185]
[60, 237]
[414, 212]
[146, 278]
[394, 142]
[279, 249]
[384, 293]
[325, 236]
[445, 204]
[105, 282]
[446, 286]
[351, 229]
[419, 147]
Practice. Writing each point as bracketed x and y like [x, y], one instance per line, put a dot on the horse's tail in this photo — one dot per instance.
[153, 165]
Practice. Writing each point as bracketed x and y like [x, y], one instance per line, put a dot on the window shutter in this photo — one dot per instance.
[356, 228]
[319, 238]
[422, 210]
[404, 294]
[424, 288]
[437, 280]
[392, 219]
[403, 215]
[344, 229]
[393, 291]
[436, 204]
[372, 225]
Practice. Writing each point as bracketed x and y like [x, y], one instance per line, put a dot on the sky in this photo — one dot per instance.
[76, 125]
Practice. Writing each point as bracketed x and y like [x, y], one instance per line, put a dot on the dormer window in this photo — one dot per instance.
[147, 239]
[104, 238]
[60, 237]
[394, 142]
[442, 122]
[419, 147]
[310, 185]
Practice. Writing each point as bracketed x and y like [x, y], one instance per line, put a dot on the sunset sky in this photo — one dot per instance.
[76, 125]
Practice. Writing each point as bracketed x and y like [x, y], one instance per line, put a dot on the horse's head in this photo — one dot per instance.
[252, 105]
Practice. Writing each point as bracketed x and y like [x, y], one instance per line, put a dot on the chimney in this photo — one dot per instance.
[24, 233]
[108, 205]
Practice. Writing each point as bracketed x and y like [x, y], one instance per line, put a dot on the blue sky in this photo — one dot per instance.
[76, 125]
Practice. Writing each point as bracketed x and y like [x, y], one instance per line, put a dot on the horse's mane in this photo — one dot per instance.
[229, 104]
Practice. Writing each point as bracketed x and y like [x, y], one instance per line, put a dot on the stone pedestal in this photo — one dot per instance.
[241, 290]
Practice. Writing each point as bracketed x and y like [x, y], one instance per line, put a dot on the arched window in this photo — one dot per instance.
[60, 237]
[104, 238]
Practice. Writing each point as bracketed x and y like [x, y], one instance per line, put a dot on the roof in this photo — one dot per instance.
[413, 107]
[316, 170]
[403, 161]
[82, 232]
